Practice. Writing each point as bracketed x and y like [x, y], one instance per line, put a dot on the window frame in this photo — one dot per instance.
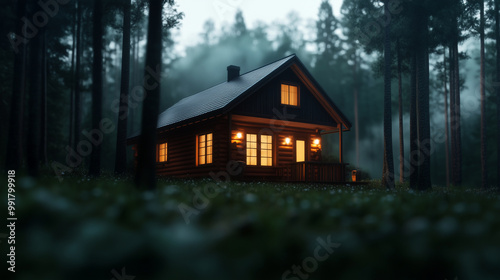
[289, 84]
[198, 148]
[158, 150]
[258, 147]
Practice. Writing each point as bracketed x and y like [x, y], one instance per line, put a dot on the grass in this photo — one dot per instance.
[84, 228]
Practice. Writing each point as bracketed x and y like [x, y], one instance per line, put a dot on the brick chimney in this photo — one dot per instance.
[233, 72]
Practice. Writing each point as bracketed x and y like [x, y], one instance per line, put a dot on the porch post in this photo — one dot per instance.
[340, 142]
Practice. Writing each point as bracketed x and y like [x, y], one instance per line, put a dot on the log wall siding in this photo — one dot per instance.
[182, 149]
[283, 154]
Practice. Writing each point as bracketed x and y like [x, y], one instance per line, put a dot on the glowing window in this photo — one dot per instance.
[251, 149]
[300, 150]
[289, 95]
[266, 150]
[162, 152]
[205, 148]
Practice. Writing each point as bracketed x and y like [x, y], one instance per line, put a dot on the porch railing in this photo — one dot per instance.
[311, 171]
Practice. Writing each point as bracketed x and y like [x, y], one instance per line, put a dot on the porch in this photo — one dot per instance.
[313, 171]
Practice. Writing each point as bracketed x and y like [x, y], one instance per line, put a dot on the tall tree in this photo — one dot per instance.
[484, 170]
[77, 82]
[388, 155]
[43, 99]
[34, 114]
[446, 122]
[400, 104]
[97, 68]
[146, 166]
[497, 90]
[422, 61]
[14, 143]
[455, 16]
[414, 155]
[72, 67]
[121, 138]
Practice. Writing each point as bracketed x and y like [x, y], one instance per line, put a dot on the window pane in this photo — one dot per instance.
[284, 94]
[300, 150]
[266, 152]
[162, 152]
[293, 95]
[251, 149]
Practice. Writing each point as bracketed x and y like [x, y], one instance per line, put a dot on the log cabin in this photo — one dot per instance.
[269, 122]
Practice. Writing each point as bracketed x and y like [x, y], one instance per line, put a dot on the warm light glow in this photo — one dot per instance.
[266, 150]
[239, 135]
[251, 149]
[287, 141]
[205, 145]
[300, 154]
[316, 141]
[289, 95]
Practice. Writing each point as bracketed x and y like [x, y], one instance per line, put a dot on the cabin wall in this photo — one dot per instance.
[182, 149]
[283, 153]
[182, 154]
[266, 103]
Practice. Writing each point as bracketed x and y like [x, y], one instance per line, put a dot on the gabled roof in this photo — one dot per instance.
[223, 97]
[217, 97]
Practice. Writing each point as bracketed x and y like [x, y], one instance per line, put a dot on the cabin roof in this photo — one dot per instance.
[224, 96]
[216, 97]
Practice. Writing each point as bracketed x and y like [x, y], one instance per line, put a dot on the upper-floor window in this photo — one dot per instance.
[289, 95]
[205, 148]
[162, 152]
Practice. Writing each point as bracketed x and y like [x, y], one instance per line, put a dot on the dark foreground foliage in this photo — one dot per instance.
[104, 228]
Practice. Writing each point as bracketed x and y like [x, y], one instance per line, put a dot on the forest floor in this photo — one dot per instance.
[84, 228]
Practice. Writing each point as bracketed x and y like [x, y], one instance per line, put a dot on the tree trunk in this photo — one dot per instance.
[97, 68]
[43, 101]
[401, 131]
[146, 168]
[484, 170]
[424, 139]
[72, 92]
[121, 138]
[389, 182]
[414, 157]
[446, 124]
[453, 116]
[77, 112]
[356, 116]
[497, 44]
[458, 131]
[14, 153]
[34, 114]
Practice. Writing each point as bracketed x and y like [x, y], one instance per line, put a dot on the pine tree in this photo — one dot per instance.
[146, 166]
[121, 138]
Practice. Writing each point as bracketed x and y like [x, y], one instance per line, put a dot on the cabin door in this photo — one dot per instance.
[300, 150]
